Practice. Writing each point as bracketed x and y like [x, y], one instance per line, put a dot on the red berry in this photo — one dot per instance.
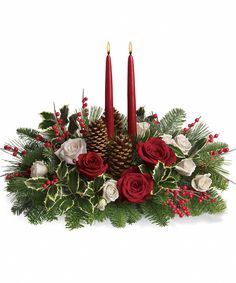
[14, 153]
[56, 180]
[197, 120]
[189, 125]
[192, 125]
[85, 105]
[79, 114]
[185, 187]
[155, 116]
[48, 182]
[16, 149]
[216, 136]
[24, 152]
[59, 139]
[57, 114]
[44, 186]
[226, 149]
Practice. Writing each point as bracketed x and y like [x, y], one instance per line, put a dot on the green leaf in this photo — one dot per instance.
[49, 204]
[64, 114]
[158, 172]
[35, 183]
[45, 124]
[169, 184]
[66, 204]
[48, 116]
[140, 114]
[73, 126]
[53, 192]
[197, 147]
[73, 181]
[144, 168]
[98, 183]
[178, 152]
[62, 170]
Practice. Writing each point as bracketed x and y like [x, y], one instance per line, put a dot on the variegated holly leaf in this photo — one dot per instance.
[158, 172]
[54, 192]
[35, 183]
[62, 170]
[73, 180]
[66, 204]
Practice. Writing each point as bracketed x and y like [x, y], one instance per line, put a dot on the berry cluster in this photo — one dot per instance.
[180, 208]
[39, 138]
[156, 120]
[212, 138]
[59, 129]
[18, 174]
[49, 183]
[48, 144]
[219, 152]
[191, 125]
[15, 150]
[82, 125]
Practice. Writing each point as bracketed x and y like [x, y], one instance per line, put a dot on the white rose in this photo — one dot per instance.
[71, 149]
[102, 204]
[185, 167]
[142, 128]
[167, 139]
[38, 169]
[179, 141]
[202, 183]
[183, 143]
[110, 191]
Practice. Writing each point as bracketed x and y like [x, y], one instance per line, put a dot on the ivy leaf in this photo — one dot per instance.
[53, 193]
[66, 204]
[35, 183]
[197, 147]
[158, 172]
[73, 126]
[64, 114]
[178, 152]
[62, 170]
[73, 181]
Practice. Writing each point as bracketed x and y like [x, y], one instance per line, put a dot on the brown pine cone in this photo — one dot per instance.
[120, 155]
[97, 139]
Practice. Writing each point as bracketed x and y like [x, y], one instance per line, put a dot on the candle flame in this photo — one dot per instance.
[130, 47]
[108, 47]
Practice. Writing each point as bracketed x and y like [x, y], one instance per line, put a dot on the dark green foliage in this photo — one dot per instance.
[27, 133]
[154, 210]
[73, 125]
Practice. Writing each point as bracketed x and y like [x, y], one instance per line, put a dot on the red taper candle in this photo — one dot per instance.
[109, 111]
[132, 123]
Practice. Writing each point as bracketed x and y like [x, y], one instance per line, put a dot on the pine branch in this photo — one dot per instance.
[171, 122]
[95, 113]
[27, 133]
[117, 215]
[200, 131]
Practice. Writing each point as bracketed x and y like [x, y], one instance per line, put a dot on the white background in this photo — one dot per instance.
[185, 56]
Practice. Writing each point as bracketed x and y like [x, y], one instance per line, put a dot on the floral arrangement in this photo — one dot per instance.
[70, 167]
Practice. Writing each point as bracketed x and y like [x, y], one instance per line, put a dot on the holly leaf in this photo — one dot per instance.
[45, 124]
[158, 172]
[35, 183]
[62, 170]
[73, 125]
[66, 204]
[53, 193]
[197, 147]
[98, 183]
[178, 152]
[144, 168]
[64, 114]
[73, 181]
[48, 116]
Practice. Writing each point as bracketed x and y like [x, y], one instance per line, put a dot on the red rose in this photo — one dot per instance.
[91, 165]
[135, 186]
[154, 150]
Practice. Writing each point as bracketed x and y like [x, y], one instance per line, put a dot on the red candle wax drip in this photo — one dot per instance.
[132, 123]
[109, 111]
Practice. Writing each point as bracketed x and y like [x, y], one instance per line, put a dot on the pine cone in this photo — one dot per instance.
[97, 139]
[120, 155]
[118, 123]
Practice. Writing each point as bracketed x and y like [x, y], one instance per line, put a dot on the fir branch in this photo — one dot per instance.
[27, 133]
[200, 131]
[171, 122]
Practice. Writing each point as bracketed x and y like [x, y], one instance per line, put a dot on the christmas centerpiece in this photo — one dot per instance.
[94, 165]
